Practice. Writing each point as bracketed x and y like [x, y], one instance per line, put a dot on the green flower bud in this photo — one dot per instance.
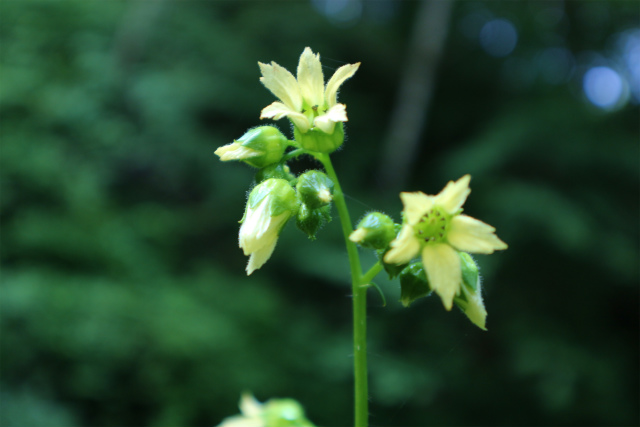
[375, 231]
[258, 147]
[314, 189]
[316, 140]
[310, 221]
[278, 170]
[270, 205]
[413, 283]
[470, 298]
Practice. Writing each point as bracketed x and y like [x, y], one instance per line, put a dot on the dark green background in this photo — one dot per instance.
[124, 299]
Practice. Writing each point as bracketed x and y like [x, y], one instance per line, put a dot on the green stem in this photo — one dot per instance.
[373, 272]
[359, 300]
[293, 153]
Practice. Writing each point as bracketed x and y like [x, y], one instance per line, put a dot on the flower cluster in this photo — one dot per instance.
[435, 228]
[428, 251]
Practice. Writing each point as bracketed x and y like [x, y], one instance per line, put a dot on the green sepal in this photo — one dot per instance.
[316, 140]
[470, 271]
[314, 189]
[281, 193]
[309, 221]
[278, 171]
[413, 283]
[469, 300]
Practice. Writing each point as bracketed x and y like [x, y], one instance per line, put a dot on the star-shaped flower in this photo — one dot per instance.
[435, 228]
[306, 101]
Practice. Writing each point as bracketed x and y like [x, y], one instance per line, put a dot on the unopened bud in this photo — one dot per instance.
[315, 189]
[258, 147]
[375, 231]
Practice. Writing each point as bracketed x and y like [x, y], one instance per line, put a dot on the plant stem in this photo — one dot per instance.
[373, 272]
[359, 301]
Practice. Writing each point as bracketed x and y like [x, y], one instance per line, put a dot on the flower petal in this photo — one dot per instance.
[310, 78]
[454, 194]
[249, 406]
[337, 113]
[415, 206]
[325, 124]
[442, 265]
[468, 234]
[260, 257]
[404, 248]
[235, 151]
[358, 235]
[278, 110]
[282, 84]
[242, 421]
[327, 121]
[338, 78]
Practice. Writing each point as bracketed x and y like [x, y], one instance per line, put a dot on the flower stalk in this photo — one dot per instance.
[361, 387]
[433, 228]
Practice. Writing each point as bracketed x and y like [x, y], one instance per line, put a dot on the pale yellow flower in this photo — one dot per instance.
[251, 414]
[306, 101]
[435, 229]
[273, 413]
[270, 205]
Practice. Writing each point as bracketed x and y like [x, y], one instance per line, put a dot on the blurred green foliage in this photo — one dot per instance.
[124, 300]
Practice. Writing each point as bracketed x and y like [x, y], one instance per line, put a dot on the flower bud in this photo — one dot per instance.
[470, 299]
[375, 231]
[413, 283]
[314, 189]
[278, 170]
[258, 147]
[310, 221]
[316, 140]
[270, 205]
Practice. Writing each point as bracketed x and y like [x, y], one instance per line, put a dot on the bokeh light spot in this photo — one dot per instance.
[498, 37]
[340, 12]
[603, 87]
